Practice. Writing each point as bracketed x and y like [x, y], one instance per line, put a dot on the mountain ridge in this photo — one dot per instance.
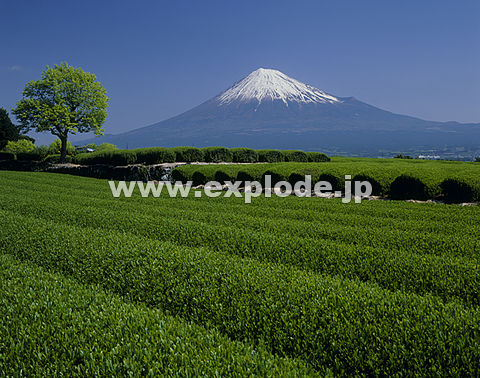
[268, 109]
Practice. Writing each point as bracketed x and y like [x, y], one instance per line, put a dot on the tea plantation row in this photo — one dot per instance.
[398, 179]
[376, 288]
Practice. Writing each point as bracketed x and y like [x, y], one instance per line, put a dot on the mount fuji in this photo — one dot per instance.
[268, 109]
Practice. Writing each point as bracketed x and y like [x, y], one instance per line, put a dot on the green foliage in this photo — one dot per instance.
[56, 159]
[217, 154]
[188, 154]
[477, 159]
[20, 146]
[6, 156]
[87, 331]
[317, 157]
[292, 155]
[55, 148]
[244, 155]
[66, 100]
[329, 283]
[8, 131]
[108, 157]
[106, 147]
[35, 155]
[270, 156]
[424, 179]
[400, 156]
[154, 155]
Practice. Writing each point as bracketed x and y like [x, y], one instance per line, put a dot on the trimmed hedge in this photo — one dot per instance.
[6, 155]
[154, 155]
[293, 155]
[244, 155]
[55, 159]
[188, 154]
[271, 156]
[30, 156]
[113, 157]
[56, 326]
[217, 154]
[346, 326]
[317, 157]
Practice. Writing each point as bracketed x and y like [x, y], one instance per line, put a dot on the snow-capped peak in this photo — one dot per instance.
[268, 84]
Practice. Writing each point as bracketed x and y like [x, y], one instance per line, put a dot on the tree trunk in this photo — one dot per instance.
[63, 149]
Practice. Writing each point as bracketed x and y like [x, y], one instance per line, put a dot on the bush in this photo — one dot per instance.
[244, 155]
[6, 155]
[55, 159]
[113, 157]
[198, 178]
[56, 147]
[317, 157]
[105, 147]
[154, 155]
[407, 187]
[217, 154]
[221, 177]
[275, 177]
[292, 155]
[244, 176]
[458, 191]
[270, 156]
[188, 154]
[20, 146]
[30, 156]
[377, 188]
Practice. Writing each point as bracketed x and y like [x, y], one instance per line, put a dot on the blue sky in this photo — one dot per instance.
[157, 59]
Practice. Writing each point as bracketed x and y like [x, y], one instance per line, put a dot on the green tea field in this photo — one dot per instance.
[96, 285]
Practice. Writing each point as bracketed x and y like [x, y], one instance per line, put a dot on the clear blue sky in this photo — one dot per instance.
[157, 59]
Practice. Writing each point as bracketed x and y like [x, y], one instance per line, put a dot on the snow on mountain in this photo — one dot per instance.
[268, 84]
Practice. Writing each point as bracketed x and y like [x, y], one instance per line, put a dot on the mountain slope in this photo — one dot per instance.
[268, 109]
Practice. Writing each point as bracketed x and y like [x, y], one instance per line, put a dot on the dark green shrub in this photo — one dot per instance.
[6, 156]
[292, 155]
[244, 155]
[198, 178]
[337, 184]
[112, 157]
[407, 187]
[270, 156]
[221, 177]
[154, 155]
[179, 175]
[457, 191]
[188, 154]
[244, 176]
[275, 177]
[217, 154]
[29, 156]
[55, 159]
[376, 186]
[317, 157]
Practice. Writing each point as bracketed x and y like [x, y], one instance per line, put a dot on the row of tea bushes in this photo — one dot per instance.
[157, 155]
[55, 326]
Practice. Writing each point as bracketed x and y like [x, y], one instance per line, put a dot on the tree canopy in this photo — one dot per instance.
[8, 131]
[66, 100]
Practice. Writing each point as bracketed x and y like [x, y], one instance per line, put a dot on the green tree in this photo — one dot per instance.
[8, 131]
[20, 146]
[106, 147]
[55, 148]
[66, 100]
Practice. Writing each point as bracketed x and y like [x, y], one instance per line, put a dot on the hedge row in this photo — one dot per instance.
[52, 325]
[449, 271]
[332, 323]
[157, 155]
[407, 179]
